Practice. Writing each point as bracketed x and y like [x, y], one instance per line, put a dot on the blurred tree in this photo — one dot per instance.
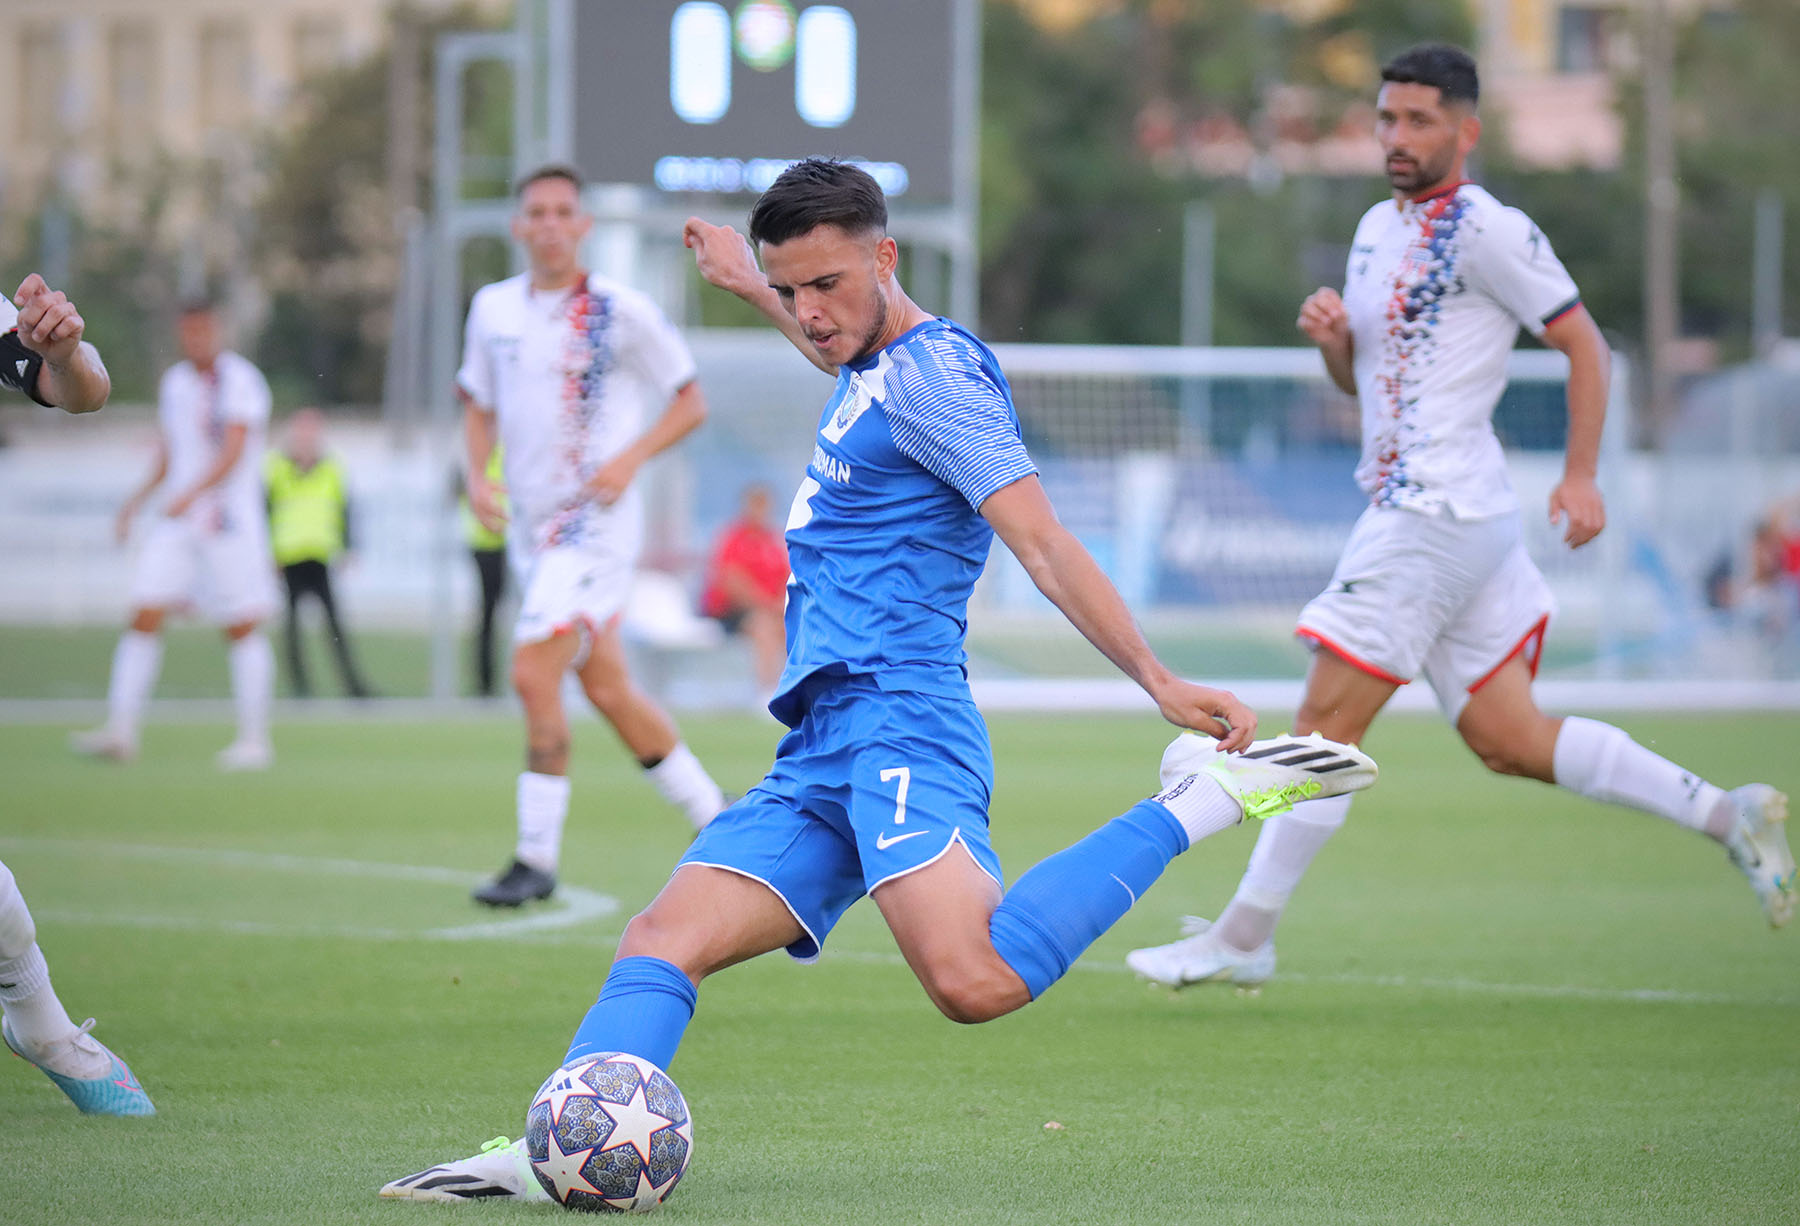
[1737, 130]
[328, 244]
[122, 272]
[1077, 229]
[1735, 138]
[1081, 225]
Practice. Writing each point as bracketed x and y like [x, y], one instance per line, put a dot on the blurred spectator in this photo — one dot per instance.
[1772, 598]
[746, 585]
[488, 547]
[309, 529]
[1762, 590]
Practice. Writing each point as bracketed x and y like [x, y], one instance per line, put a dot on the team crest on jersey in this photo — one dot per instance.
[867, 388]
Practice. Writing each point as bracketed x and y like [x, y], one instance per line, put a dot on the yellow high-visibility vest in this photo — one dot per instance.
[478, 537]
[306, 509]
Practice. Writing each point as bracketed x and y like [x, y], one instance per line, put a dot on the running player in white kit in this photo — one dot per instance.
[208, 546]
[581, 380]
[1435, 579]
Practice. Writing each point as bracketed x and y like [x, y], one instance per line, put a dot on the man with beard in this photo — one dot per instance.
[1435, 578]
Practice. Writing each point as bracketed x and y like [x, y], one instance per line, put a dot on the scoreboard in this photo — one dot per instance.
[703, 96]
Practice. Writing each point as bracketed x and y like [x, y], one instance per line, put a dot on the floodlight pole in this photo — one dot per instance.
[454, 221]
[1766, 273]
[1662, 203]
[965, 192]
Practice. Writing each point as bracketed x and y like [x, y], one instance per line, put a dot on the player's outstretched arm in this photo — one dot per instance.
[686, 412]
[72, 377]
[1327, 325]
[1576, 500]
[1065, 572]
[724, 258]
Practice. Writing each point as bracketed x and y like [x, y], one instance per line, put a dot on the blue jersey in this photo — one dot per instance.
[884, 539]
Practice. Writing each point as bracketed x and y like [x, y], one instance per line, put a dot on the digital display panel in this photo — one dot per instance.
[709, 96]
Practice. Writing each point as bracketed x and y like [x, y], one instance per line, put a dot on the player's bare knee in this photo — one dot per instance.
[652, 933]
[609, 697]
[1498, 756]
[1308, 719]
[536, 687]
[970, 995]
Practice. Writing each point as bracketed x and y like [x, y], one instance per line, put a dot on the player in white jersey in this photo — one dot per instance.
[1435, 579]
[581, 380]
[208, 547]
[43, 355]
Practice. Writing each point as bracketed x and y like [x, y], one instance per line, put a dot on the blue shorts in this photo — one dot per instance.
[871, 785]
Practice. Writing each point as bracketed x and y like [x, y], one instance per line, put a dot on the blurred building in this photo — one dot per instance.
[96, 87]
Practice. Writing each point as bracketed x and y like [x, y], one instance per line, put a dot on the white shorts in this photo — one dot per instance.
[1453, 599]
[572, 589]
[227, 577]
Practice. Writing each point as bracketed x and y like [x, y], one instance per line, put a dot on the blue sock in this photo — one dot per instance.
[643, 1011]
[1064, 903]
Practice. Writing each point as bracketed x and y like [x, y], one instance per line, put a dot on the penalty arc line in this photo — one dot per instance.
[577, 906]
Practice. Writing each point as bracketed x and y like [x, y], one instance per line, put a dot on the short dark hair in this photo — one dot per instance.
[1449, 68]
[197, 304]
[816, 192]
[550, 170]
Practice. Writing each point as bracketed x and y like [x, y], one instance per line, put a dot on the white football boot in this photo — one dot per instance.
[1758, 846]
[245, 756]
[103, 742]
[502, 1171]
[1272, 775]
[1201, 957]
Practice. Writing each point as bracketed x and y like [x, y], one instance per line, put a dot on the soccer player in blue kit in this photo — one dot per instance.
[882, 785]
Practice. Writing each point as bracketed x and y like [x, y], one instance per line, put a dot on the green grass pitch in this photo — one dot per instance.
[1496, 1003]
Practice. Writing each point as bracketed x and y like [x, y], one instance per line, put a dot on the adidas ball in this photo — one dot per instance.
[609, 1133]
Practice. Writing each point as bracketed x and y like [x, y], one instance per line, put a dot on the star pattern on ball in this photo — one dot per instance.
[643, 1198]
[633, 1124]
[564, 1170]
[571, 1086]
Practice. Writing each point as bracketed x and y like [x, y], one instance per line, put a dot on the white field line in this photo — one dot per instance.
[1426, 983]
[581, 906]
[574, 906]
[1039, 695]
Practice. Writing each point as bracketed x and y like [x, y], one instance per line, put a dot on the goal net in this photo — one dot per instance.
[1214, 486]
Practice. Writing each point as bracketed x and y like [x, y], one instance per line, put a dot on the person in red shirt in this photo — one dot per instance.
[746, 585]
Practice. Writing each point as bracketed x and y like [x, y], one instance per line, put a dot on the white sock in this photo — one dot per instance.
[33, 1013]
[543, 807]
[685, 784]
[252, 685]
[1602, 762]
[1202, 806]
[1284, 850]
[136, 662]
[18, 933]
